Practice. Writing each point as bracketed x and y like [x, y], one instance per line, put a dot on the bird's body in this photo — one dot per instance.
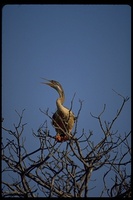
[63, 119]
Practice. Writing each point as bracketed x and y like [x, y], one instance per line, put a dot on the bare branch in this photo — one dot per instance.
[65, 169]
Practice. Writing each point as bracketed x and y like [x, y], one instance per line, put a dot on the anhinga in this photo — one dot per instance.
[63, 119]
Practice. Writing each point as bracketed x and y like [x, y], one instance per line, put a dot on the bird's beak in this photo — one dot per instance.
[48, 83]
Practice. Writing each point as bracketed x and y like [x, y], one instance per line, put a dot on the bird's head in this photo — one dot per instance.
[54, 84]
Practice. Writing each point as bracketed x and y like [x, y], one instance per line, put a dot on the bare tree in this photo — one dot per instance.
[50, 171]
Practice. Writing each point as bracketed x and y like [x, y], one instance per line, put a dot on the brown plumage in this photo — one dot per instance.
[63, 119]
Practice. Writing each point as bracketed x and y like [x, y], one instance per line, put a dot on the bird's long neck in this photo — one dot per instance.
[60, 100]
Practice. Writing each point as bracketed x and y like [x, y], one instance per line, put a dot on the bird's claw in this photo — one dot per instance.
[59, 138]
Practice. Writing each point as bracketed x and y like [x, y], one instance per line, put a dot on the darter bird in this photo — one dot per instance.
[63, 119]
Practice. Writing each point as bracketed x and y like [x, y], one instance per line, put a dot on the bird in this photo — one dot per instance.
[63, 119]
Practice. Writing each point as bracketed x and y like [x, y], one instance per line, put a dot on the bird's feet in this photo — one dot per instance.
[60, 138]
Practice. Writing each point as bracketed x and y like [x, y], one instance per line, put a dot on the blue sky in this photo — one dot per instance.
[87, 48]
